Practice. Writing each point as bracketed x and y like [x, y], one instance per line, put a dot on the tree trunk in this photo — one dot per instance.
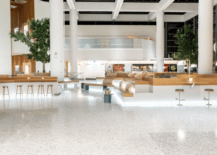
[43, 67]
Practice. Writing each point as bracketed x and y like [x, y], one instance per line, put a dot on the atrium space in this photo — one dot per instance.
[108, 77]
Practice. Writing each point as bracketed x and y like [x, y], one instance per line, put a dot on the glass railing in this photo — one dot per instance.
[76, 76]
[89, 43]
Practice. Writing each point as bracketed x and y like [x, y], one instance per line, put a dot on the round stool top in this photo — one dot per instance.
[41, 85]
[209, 90]
[50, 85]
[19, 85]
[30, 85]
[4, 86]
[179, 90]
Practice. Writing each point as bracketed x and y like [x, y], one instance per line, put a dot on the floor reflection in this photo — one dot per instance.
[79, 122]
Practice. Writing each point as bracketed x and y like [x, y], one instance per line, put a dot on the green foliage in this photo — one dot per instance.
[41, 34]
[187, 42]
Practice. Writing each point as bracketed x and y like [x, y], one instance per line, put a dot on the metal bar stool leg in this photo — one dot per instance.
[179, 100]
[179, 91]
[208, 99]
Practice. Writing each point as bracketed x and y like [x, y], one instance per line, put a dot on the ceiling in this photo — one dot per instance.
[131, 10]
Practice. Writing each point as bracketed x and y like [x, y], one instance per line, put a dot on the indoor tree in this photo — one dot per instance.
[187, 42]
[38, 40]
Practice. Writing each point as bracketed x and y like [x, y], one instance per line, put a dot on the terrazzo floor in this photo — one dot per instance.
[79, 123]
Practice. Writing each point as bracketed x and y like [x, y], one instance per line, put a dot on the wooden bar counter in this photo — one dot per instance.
[157, 88]
[12, 83]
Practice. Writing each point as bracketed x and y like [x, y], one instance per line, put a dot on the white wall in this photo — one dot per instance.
[107, 54]
[19, 48]
[42, 9]
[5, 41]
[149, 49]
[114, 30]
[39, 67]
[145, 53]
[92, 71]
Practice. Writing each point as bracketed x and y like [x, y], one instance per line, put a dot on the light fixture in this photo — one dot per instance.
[181, 135]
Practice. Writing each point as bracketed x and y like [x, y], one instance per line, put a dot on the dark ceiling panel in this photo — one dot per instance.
[142, 1]
[174, 13]
[186, 1]
[134, 13]
[95, 0]
[48, 0]
[111, 23]
[95, 12]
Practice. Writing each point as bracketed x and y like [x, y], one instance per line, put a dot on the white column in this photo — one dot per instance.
[205, 38]
[5, 40]
[160, 41]
[56, 39]
[73, 42]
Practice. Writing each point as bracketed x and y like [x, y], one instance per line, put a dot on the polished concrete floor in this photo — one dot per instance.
[79, 123]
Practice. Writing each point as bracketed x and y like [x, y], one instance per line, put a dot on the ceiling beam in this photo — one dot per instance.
[163, 4]
[152, 15]
[95, 6]
[139, 7]
[125, 18]
[189, 15]
[71, 4]
[135, 7]
[182, 7]
[118, 6]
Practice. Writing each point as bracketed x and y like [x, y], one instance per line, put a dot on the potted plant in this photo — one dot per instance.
[187, 42]
[38, 40]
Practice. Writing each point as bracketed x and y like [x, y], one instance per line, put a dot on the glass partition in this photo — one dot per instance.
[88, 43]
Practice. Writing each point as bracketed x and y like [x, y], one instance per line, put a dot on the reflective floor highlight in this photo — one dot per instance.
[79, 123]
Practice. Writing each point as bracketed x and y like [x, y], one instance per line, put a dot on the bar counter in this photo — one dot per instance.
[12, 83]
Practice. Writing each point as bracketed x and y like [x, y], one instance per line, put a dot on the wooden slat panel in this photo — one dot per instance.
[141, 82]
[19, 60]
[127, 94]
[28, 79]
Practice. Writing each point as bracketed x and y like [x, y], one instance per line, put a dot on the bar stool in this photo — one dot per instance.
[19, 87]
[51, 89]
[31, 88]
[207, 99]
[41, 87]
[180, 91]
[3, 93]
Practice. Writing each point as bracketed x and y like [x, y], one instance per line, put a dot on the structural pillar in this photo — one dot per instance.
[73, 43]
[57, 39]
[205, 38]
[5, 40]
[160, 41]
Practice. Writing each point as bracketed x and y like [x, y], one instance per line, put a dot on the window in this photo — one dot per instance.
[16, 30]
[26, 29]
